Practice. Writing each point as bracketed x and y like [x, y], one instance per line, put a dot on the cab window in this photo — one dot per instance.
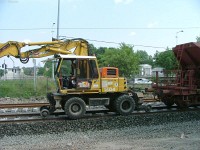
[88, 69]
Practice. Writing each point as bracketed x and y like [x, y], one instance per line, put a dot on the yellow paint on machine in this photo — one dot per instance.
[113, 85]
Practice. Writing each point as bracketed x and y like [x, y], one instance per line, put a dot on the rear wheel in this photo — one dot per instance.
[75, 108]
[124, 105]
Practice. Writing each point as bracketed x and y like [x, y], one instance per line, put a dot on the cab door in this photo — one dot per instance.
[88, 74]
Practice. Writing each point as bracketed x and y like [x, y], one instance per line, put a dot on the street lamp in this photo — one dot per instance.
[52, 30]
[177, 36]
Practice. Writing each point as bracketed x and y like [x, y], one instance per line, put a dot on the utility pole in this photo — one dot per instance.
[58, 19]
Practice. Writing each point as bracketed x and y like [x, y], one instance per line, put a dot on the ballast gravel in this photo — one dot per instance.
[177, 131]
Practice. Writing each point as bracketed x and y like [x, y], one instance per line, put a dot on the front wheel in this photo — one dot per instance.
[124, 105]
[75, 108]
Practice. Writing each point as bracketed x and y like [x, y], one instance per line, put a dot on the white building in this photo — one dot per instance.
[159, 70]
[145, 70]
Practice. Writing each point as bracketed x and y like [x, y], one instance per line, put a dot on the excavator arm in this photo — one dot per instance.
[73, 46]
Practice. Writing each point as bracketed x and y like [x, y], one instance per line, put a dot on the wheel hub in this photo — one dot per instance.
[125, 105]
[75, 108]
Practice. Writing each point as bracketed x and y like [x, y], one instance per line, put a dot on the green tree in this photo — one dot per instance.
[28, 71]
[98, 52]
[165, 59]
[144, 58]
[48, 69]
[198, 39]
[92, 49]
[41, 71]
[48, 72]
[123, 58]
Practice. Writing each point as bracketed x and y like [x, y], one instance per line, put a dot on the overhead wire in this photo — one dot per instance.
[107, 28]
[110, 42]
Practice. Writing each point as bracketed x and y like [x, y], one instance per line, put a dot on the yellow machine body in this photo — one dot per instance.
[90, 80]
[79, 80]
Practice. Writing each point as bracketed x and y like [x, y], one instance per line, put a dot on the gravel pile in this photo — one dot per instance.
[153, 131]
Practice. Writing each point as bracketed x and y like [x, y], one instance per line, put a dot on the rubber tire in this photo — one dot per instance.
[124, 100]
[81, 108]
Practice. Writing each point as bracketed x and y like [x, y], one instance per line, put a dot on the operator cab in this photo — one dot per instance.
[76, 72]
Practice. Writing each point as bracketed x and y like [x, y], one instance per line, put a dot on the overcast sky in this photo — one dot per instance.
[149, 25]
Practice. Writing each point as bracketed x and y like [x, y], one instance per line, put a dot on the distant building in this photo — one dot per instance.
[145, 70]
[159, 70]
[13, 73]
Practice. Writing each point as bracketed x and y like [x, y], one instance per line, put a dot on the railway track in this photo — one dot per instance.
[23, 105]
[33, 116]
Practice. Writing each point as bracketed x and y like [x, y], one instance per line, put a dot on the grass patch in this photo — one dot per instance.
[25, 88]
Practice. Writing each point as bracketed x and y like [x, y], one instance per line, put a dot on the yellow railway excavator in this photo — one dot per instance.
[80, 82]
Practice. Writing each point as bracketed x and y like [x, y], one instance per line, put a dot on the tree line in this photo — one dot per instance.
[126, 58]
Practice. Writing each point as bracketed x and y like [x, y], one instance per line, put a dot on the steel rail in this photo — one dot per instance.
[9, 115]
[23, 105]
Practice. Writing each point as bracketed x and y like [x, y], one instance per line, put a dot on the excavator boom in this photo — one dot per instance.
[73, 46]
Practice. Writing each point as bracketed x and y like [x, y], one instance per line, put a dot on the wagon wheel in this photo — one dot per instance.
[180, 103]
[168, 101]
